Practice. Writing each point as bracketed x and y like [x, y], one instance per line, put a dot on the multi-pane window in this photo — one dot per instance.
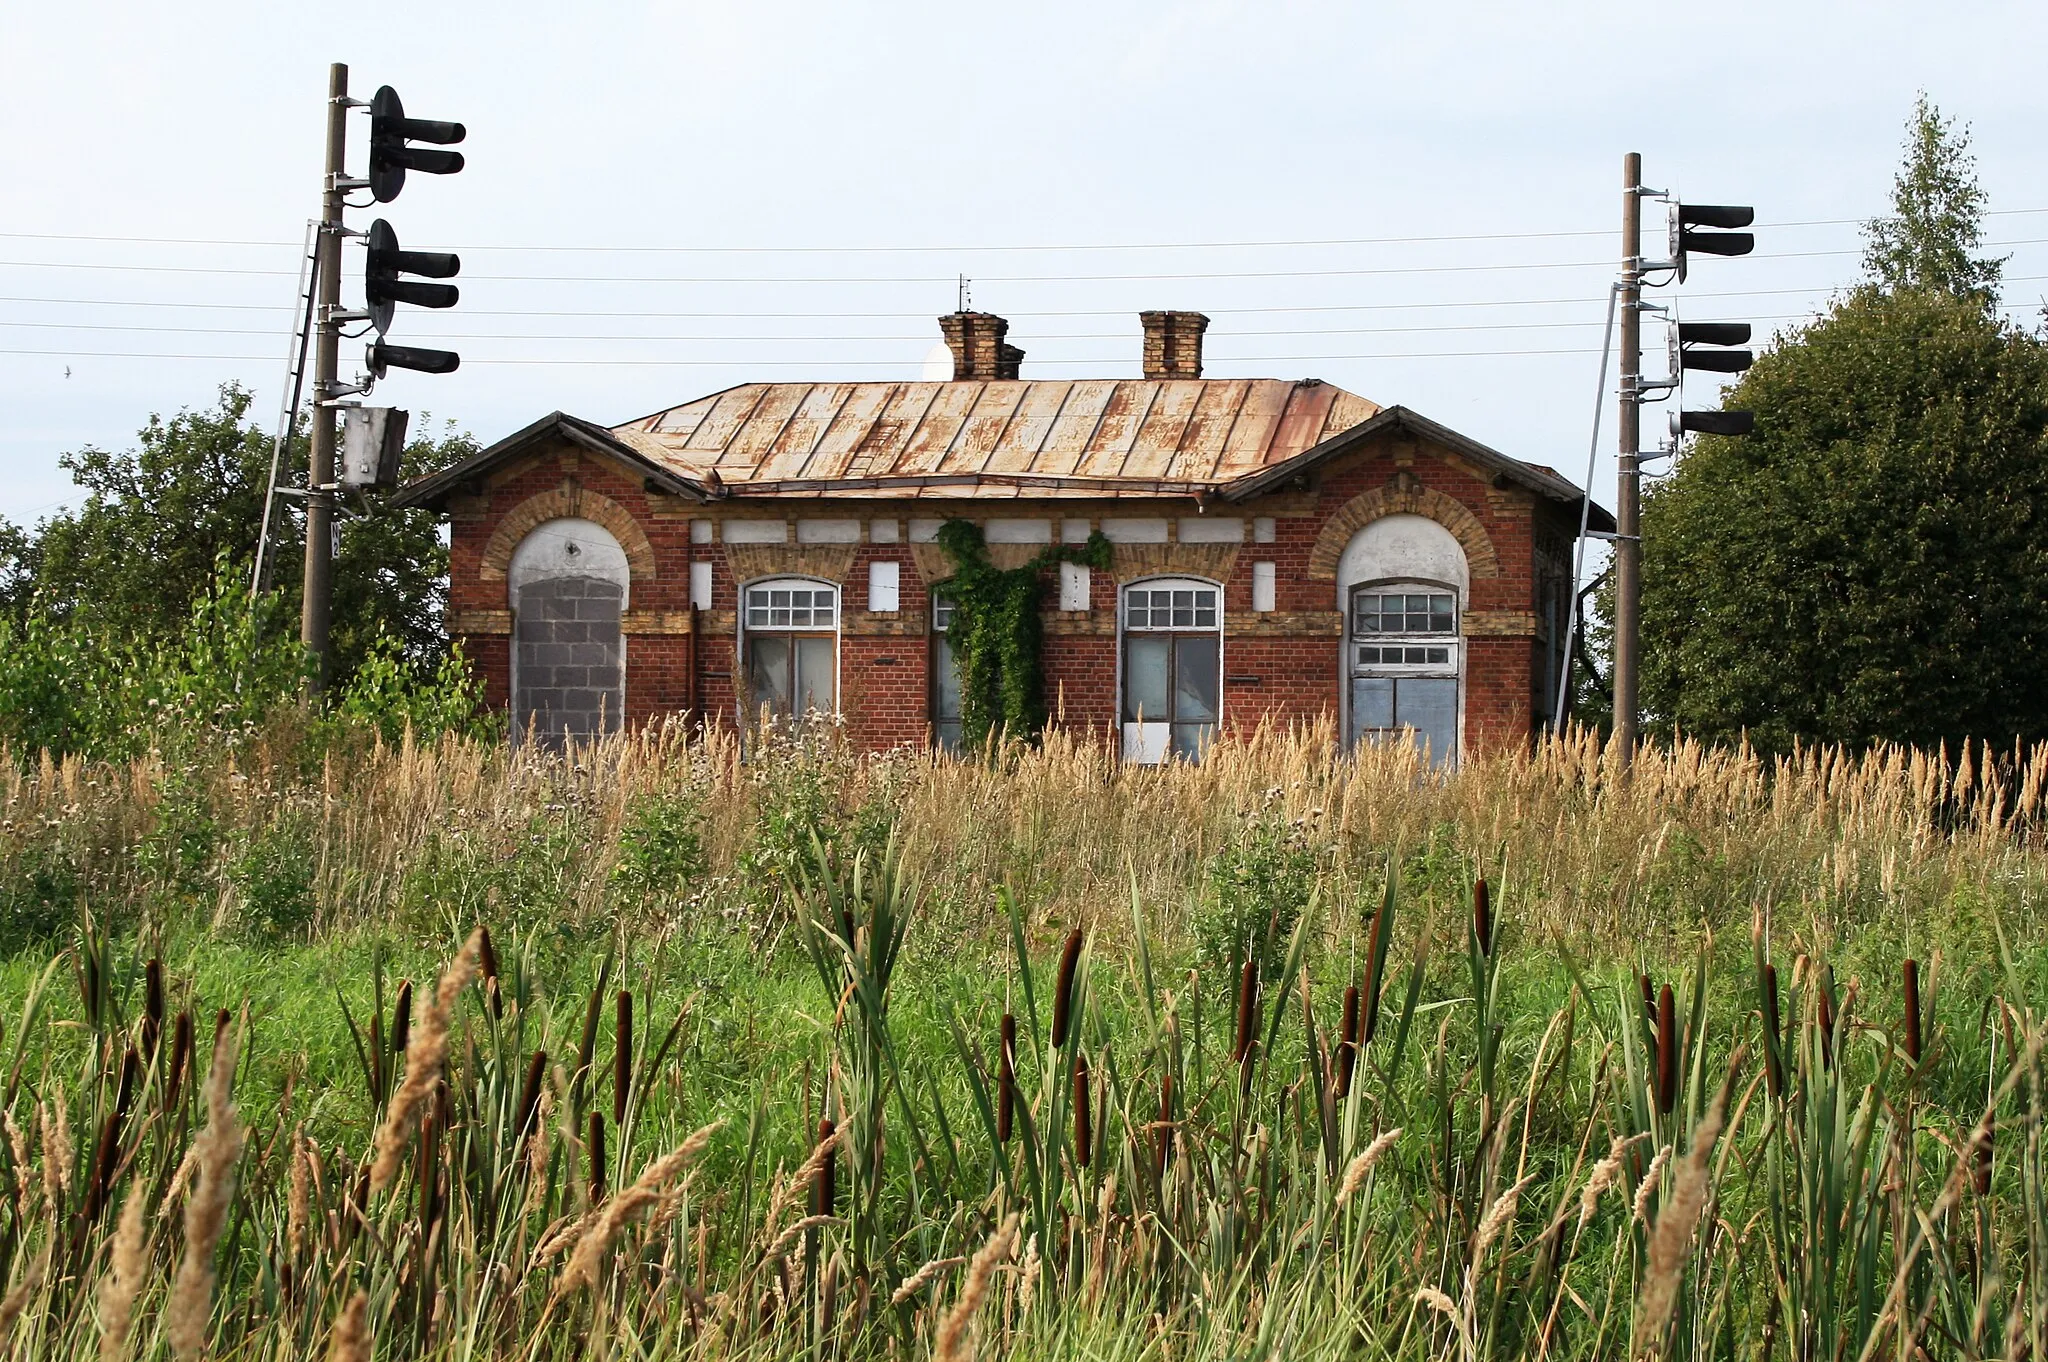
[945, 678]
[1404, 667]
[1173, 664]
[792, 648]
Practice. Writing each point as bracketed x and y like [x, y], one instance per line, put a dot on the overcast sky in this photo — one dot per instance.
[664, 200]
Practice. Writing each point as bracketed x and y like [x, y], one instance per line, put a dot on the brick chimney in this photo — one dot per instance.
[1173, 343]
[979, 350]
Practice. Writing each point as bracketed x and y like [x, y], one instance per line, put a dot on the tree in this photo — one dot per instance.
[1872, 564]
[156, 519]
[1937, 223]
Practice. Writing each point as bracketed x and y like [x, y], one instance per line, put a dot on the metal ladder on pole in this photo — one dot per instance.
[296, 349]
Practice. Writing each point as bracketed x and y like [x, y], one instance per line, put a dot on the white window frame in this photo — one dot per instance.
[942, 607]
[1429, 641]
[810, 628]
[1151, 748]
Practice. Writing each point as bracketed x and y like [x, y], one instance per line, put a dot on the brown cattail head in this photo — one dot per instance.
[529, 1095]
[1667, 1051]
[1084, 1125]
[1375, 973]
[1347, 1045]
[1163, 1133]
[1006, 1077]
[622, 1056]
[1063, 992]
[181, 1059]
[124, 1091]
[1774, 1034]
[1980, 1155]
[1247, 1011]
[152, 1005]
[1911, 992]
[597, 1159]
[105, 1155]
[487, 964]
[825, 1185]
[222, 1020]
[1482, 916]
[1649, 998]
[401, 1018]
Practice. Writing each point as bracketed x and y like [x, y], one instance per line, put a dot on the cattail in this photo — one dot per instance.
[427, 1157]
[401, 1018]
[1827, 1020]
[152, 1005]
[1006, 1077]
[181, 1059]
[351, 1342]
[425, 1053]
[1482, 916]
[1911, 992]
[825, 1180]
[1063, 993]
[1774, 1034]
[595, 1151]
[1649, 998]
[1354, 1174]
[1347, 1045]
[1375, 973]
[219, 1149]
[124, 1091]
[1671, 1240]
[1980, 1155]
[1162, 1134]
[487, 961]
[622, 1056]
[1667, 1051]
[123, 1281]
[529, 1095]
[106, 1154]
[953, 1329]
[1247, 1011]
[1084, 1129]
[300, 1200]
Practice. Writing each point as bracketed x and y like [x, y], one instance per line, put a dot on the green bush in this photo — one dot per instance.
[390, 694]
[1255, 890]
[273, 876]
[661, 850]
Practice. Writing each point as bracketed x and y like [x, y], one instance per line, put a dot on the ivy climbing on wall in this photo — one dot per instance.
[997, 634]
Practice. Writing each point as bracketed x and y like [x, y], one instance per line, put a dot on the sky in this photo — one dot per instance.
[1419, 203]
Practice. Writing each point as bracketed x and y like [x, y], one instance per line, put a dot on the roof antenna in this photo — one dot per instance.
[966, 295]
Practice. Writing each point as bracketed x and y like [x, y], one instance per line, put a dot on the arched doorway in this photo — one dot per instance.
[1403, 584]
[568, 581]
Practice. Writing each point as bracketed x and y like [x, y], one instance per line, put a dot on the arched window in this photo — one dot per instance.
[1403, 580]
[789, 630]
[1171, 632]
[568, 582]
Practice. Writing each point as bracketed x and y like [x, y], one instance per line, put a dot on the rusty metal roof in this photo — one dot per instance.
[1036, 438]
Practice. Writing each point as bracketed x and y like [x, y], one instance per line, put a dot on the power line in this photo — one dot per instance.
[818, 364]
[714, 280]
[978, 249]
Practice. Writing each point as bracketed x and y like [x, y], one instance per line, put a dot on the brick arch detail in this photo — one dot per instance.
[571, 500]
[1404, 496]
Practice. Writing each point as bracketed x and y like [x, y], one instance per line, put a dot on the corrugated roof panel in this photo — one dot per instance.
[1251, 434]
[983, 428]
[1301, 424]
[1017, 449]
[1117, 431]
[840, 445]
[791, 452]
[727, 411]
[1347, 411]
[1201, 444]
[750, 444]
[1159, 436]
[903, 413]
[925, 449]
[1075, 427]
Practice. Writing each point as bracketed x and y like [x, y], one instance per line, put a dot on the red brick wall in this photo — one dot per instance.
[1290, 670]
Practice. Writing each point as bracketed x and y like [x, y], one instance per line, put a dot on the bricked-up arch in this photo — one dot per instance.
[570, 501]
[1405, 495]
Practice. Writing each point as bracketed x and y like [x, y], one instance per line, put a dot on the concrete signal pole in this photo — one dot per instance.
[317, 600]
[1628, 543]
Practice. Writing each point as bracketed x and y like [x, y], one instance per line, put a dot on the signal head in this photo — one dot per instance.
[390, 157]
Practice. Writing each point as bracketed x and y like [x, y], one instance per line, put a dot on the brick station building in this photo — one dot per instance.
[1280, 549]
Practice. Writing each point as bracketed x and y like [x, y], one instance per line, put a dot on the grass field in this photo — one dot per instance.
[728, 1074]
